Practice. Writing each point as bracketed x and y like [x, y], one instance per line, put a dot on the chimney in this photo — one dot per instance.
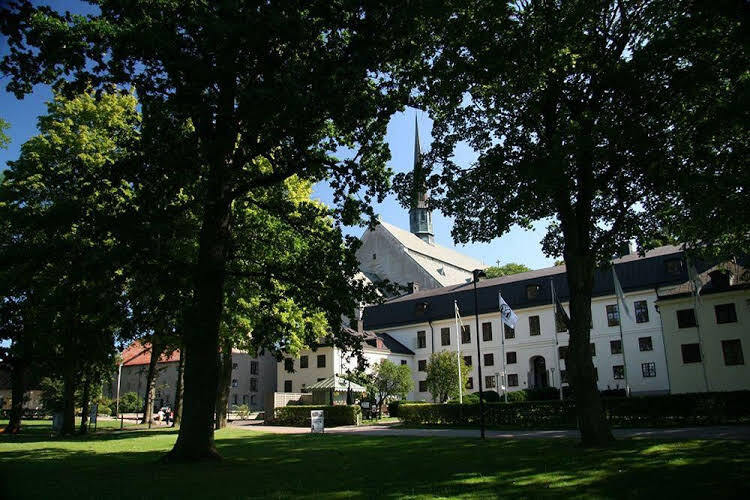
[632, 247]
[358, 315]
[379, 343]
[413, 287]
[721, 279]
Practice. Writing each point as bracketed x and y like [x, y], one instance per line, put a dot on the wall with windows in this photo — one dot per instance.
[721, 323]
[252, 377]
[310, 367]
[529, 354]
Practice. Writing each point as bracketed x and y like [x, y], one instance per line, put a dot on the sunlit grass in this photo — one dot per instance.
[116, 464]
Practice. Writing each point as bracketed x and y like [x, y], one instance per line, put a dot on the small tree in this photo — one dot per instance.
[506, 270]
[442, 375]
[390, 380]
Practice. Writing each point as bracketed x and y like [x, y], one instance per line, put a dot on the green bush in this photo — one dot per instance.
[130, 402]
[651, 411]
[299, 415]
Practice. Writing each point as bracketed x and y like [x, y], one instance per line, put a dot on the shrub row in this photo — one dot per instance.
[679, 409]
[299, 415]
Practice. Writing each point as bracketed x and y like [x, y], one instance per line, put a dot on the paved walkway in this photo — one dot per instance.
[709, 432]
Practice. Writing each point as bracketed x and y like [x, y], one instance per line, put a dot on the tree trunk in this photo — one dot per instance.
[85, 404]
[581, 375]
[195, 440]
[148, 399]
[225, 380]
[178, 390]
[18, 391]
[69, 403]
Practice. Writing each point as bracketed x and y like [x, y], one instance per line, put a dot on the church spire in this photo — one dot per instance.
[420, 217]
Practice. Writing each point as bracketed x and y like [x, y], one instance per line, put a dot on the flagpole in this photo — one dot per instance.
[557, 342]
[693, 277]
[458, 354]
[622, 346]
[502, 346]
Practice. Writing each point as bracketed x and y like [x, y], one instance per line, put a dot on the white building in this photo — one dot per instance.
[424, 322]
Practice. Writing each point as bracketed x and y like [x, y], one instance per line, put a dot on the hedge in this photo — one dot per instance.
[668, 410]
[299, 415]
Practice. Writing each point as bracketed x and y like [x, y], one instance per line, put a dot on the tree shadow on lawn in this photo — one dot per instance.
[42, 433]
[258, 464]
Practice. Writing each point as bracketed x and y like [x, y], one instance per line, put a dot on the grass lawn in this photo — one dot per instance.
[113, 464]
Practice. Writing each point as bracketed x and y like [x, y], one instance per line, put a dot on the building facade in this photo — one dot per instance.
[707, 339]
[252, 377]
[628, 349]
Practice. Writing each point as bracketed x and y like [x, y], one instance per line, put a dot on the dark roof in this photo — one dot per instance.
[739, 272]
[634, 273]
[387, 343]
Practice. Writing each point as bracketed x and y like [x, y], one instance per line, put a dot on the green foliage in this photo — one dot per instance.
[4, 139]
[506, 270]
[131, 402]
[299, 415]
[52, 394]
[390, 380]
[243, 412]
[442, 375]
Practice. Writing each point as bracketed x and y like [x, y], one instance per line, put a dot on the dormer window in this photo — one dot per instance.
[532, 291]
[374, 256]
[441, 271]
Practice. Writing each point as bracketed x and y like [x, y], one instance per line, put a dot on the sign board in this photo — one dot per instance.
[57, 420]
[366, 404]
[93, 413]
[316, 421]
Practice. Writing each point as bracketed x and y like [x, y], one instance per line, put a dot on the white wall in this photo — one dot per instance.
[527, 346]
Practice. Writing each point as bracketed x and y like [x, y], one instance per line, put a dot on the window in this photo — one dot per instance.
[374, 256]
[686, 318]
[648, 369]
[513, 380]
[465, 334]
[235, 383]
[253, 385]
[559, 323]
[253, 367]
[564, 376]
[234, 366]
[467, 360]
[421, 339]
[486, 332]
[534, 328]
[673, 266]
[289, 364]
[732, 352]
[445, 336]
[303, 361]
[510, 333]
[403, 361]
[613, 315]
[287, 386]
[562, 352]
[422, 386]
[645, 344]
[691, 353]
[489, 382]
[489, 359]
[321, 360]
[593, 349]
[615, 346]
[725, 313]
[422, 365]
[532, 291]
[641, 311]
[618, 372]
[470, 383]
[510, 358]
[235, 399]
[252, 399]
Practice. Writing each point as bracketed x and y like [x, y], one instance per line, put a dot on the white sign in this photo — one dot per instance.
[93, 413]
[57, 421]
[316, 421]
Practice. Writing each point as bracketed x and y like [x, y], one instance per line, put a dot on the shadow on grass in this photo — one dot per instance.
[312, 466]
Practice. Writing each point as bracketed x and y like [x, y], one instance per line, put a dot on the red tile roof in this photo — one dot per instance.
[139, 353]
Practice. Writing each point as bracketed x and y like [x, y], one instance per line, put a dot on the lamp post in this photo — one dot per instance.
[478, 273]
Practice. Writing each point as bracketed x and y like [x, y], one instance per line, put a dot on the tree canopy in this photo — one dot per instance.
[442, 375]
[505, 270]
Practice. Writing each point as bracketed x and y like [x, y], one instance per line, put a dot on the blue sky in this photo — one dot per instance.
[516, 246]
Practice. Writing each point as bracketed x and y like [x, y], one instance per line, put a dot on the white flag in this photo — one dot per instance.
[506, 313]
[621, 295]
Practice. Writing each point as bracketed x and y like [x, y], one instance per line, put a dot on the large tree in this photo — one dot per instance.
[561, 103]
[63, 270]
[290, 83]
